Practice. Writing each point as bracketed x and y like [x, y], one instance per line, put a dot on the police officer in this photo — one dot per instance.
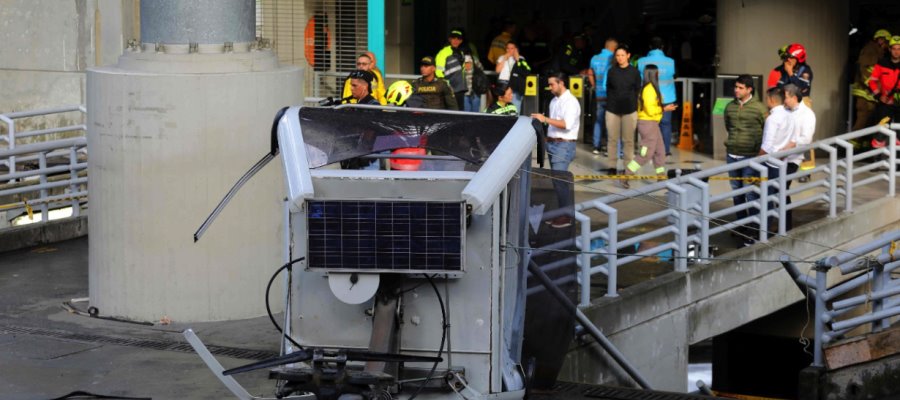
[430, 91]
[449, 65]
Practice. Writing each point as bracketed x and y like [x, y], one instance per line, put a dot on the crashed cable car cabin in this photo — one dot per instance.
[410, 282]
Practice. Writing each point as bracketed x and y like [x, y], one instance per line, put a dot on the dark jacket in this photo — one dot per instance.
[623, 86]
[745, 127]
[435, 94]
[802, 77]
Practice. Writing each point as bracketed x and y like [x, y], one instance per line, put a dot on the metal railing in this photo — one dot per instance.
[877, 306]
[694, 211]
[48, 172]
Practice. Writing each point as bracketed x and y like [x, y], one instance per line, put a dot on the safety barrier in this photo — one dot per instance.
[694, 211]
[877, 306]
[47, 173]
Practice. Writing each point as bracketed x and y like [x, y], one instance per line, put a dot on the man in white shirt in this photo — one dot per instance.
[803, 121]
[778, 133]
[564, 120]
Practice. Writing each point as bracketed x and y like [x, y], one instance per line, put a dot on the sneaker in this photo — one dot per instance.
[562, 221]
[596, 150]
[622, 183]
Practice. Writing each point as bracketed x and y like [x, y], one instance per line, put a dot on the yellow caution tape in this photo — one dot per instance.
[28, 204]
[658, 177]
[28, 209]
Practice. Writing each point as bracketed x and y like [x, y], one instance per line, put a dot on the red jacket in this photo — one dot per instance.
[884, 78]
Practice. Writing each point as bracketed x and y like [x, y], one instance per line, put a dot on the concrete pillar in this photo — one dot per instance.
[169, 133]
[750, 33]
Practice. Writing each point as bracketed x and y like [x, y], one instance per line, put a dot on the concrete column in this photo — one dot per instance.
[750, 33]
[169, 132]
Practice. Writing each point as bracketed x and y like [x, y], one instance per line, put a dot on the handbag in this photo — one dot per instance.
[480, 82]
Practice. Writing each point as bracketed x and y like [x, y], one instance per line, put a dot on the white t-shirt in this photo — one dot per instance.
[508, 63]
[804, 120]
[566, 108]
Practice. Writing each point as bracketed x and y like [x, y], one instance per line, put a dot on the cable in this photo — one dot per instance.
[445, 327]
[720, 222]
[269, 309]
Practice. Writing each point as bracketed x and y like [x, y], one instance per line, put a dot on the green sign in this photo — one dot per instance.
[721, 102]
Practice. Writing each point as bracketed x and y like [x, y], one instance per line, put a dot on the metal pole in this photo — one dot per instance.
[821, 282]
[585, 258]
[588, 325]
[286, 345]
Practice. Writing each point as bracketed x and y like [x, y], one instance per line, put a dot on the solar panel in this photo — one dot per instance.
[385, 236]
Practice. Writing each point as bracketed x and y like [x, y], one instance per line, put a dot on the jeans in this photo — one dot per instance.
[472, 103]
[745, 172]
[517, 101]
[665, 125]
[600, 123]
[561, 155]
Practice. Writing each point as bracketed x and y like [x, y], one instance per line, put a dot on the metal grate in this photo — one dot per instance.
[142, 343]
[323, 36]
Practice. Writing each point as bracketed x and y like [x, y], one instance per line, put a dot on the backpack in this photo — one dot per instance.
[517, 75]
[480, 82]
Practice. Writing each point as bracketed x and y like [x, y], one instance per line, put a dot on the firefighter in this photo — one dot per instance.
[885, 86]
[868, 57]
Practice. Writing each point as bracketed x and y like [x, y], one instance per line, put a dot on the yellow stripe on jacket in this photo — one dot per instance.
[651, 110]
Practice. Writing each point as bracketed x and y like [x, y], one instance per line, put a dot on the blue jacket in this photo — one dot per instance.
[600, 64]
[666, 67]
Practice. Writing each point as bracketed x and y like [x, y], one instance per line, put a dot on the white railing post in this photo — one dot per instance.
[832, 180]
[681, 235]
[892, 160]
[704, 217]
[73, 188]
[10, 141]
[584, 258]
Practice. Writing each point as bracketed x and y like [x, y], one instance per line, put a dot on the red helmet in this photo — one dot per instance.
[796, 50]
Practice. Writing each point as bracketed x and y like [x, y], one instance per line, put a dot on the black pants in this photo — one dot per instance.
[789, 216]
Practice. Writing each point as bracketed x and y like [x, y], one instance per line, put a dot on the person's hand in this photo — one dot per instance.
[540, 117]
[670, 107]
[886, 99]
[790, 145]
[789, 66]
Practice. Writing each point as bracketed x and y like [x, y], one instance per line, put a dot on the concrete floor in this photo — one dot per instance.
[47, 352]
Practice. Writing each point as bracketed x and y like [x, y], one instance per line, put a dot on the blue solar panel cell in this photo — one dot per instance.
[386, 236]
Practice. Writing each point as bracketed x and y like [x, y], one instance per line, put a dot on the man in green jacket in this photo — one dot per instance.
[745, 117]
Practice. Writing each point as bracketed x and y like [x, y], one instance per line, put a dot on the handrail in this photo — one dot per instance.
[876, 306]
[689, 220]
[60, 164]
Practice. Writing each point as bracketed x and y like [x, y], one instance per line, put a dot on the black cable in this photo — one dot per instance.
[269, 309]
[445, 327]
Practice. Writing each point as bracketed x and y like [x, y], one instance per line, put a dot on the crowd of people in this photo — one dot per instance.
[634, 99]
